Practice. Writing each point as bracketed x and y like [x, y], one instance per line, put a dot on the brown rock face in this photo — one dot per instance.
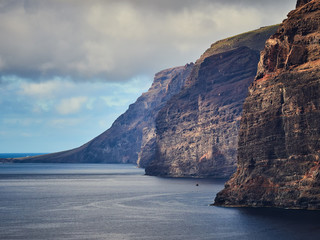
[163, 89]
[300, 3]
[279, 148]
[196, 131]
[131, 131]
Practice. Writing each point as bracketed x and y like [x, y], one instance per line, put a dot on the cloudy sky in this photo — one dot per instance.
[69, 68]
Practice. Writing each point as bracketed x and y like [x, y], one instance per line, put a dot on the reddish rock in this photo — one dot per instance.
[300, 3]
[279, 148]
[197, 130]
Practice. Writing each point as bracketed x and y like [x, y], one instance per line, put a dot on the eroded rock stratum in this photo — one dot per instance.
[197, 130]
[279, 147]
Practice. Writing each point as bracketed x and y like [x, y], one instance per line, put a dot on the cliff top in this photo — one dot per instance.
[300, 3]
[249, 39]
[296, 43]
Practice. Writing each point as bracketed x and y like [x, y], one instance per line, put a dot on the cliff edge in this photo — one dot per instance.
[196, 130]
[279, 147]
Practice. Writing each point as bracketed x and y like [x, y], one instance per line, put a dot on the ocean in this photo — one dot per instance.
[114, 201]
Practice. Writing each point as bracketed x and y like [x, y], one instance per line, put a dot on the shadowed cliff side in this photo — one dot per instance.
[279, 148]
[122, 142]
[196, 131]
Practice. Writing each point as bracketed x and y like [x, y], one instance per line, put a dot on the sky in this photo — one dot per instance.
[69, 68]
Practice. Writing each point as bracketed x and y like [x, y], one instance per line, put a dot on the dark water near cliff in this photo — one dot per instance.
[94, 201]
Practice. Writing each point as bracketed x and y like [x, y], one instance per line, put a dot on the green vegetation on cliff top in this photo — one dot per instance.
[251, 39]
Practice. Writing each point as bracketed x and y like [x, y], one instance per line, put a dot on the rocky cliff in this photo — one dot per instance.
[300, 3]
[279, 147]
[132, 130]
[196, 131]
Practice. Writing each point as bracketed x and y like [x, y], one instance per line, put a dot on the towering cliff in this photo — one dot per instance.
[279, 147]
[196, 131]
[122, 142]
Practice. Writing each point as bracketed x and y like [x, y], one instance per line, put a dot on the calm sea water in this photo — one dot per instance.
[95, 201]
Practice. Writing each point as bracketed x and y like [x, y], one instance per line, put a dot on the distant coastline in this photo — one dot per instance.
[19, 155]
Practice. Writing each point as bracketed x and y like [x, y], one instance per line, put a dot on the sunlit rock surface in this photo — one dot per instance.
[197, 130]
[279, 147]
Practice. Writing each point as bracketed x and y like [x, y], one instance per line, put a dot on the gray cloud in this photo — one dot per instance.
[45, 44]
[117, 40]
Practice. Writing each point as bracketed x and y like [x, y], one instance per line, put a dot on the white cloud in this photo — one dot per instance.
[42, 106]
[71, 105]
[42, 89]
[237, 18]
[21, 96]
[119, 20]
[90, 103]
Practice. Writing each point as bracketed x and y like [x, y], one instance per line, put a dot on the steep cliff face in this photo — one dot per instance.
[196, 131]
[300, 3]
[132, 130]
[279, 147]
[159, 94]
